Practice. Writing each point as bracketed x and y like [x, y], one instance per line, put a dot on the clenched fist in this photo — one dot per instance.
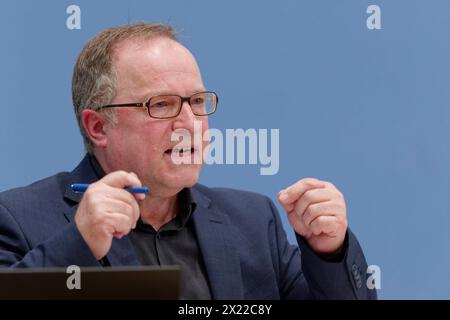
[107, 210]
[316, 210]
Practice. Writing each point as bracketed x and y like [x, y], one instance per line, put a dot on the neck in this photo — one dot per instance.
[157, 211]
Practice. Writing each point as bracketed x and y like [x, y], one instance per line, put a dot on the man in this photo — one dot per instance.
[133, 86]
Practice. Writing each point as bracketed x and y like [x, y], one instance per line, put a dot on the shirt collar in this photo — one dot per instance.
[187, 207]
[96, 166]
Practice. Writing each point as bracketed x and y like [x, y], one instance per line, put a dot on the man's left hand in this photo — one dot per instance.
[316, 210]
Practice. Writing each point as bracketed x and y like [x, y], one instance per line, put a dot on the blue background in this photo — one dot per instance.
[365, 109]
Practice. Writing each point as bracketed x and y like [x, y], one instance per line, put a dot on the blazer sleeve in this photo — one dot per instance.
[66, 247]
[305, 275]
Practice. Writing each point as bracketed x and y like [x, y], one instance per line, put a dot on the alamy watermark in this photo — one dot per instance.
[73, 21]
[373, 22]
[235, 146]
[74, 280]
[373, 282]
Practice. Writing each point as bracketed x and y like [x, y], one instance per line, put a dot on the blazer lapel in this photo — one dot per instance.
[219, 251]
[122, 252]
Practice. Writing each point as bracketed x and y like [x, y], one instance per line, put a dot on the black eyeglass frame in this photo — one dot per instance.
[183, 99]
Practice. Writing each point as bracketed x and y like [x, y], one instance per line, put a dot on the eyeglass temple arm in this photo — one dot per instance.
[140, 104]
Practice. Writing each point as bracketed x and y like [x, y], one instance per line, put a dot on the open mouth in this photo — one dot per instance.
[180, 152]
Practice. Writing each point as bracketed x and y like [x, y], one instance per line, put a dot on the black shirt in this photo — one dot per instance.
[175, 243]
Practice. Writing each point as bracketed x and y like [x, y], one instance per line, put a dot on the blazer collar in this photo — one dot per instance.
[83, 173]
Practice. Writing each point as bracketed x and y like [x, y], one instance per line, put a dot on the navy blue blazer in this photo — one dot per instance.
[240, 235]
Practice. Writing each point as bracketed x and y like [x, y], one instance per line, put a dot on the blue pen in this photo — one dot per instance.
[82, 187]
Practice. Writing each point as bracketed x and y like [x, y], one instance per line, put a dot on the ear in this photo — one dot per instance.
[94, 125]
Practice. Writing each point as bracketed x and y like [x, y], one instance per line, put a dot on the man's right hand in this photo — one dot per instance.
[107, 210]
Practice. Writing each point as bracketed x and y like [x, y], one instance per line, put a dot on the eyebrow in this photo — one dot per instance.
[168, 93]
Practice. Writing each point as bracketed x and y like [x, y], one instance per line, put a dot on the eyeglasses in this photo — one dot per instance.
[169, 106]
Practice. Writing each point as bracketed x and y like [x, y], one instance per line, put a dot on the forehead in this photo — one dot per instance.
[154, 61]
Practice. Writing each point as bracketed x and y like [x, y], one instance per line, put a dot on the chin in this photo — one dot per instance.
[184, 180]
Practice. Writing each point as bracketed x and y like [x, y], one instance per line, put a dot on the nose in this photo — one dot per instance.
[186, 118]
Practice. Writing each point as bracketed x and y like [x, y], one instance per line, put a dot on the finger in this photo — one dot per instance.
[138, 196]
[298, 225]
[329, 208]
[325, 225]
[110, 205]
[288, 207]
[295, 191]
[311, 197]
[125, 197]
[126, 208]
[120, 223]
[121, 179]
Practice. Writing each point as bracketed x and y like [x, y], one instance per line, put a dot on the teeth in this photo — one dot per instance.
[182, 150]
